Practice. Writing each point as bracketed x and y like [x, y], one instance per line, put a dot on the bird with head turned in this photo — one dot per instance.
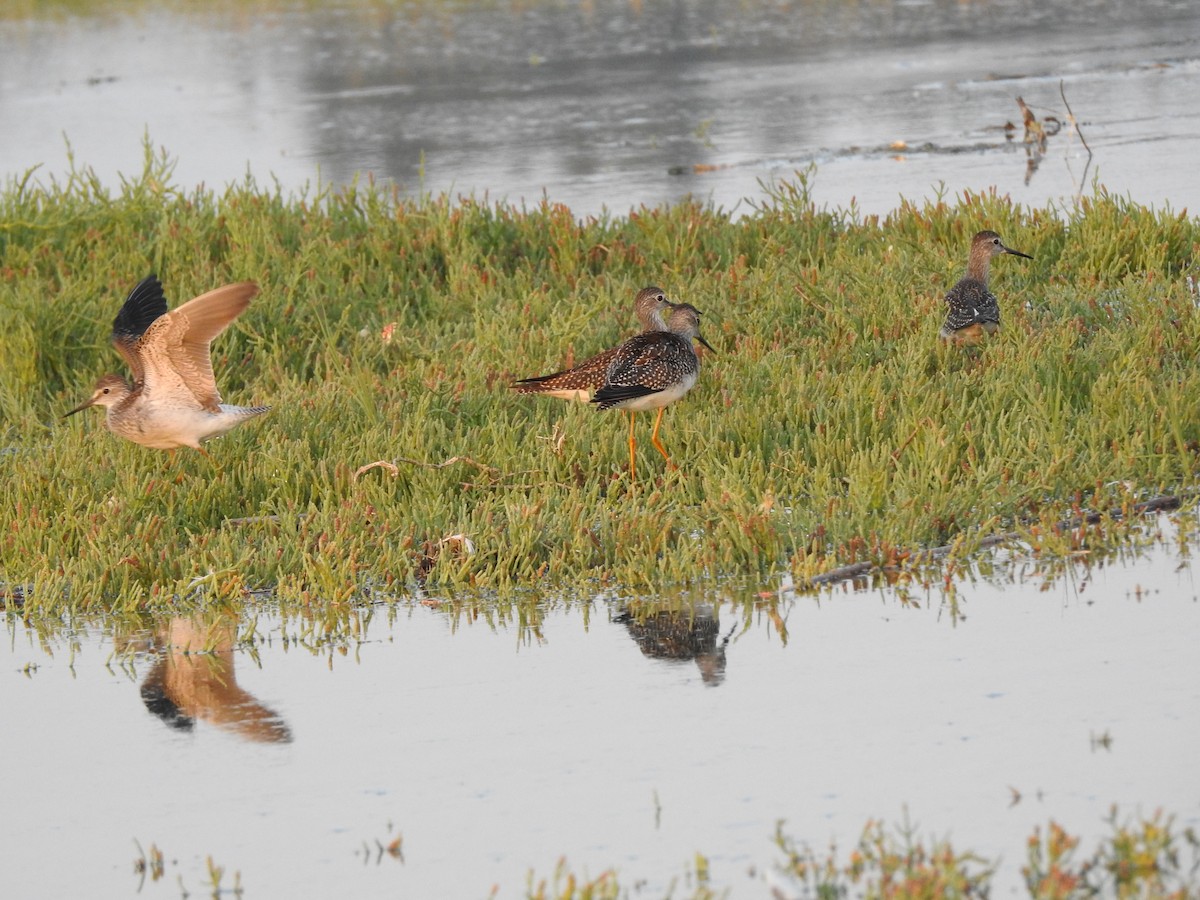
[653, 370]
[973, 310]
[581, 381]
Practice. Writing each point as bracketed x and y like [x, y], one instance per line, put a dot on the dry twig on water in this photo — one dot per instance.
[1079, 131]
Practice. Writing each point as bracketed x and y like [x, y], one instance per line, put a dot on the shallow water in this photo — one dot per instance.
[493, 749]
[596, 104]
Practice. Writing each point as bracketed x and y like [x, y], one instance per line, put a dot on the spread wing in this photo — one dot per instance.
[144, 305]
[175, 350]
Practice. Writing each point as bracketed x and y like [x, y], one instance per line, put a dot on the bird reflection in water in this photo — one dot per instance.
[687, 634]
[193, 678]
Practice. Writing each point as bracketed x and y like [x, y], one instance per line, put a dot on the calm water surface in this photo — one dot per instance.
[494, 749]
[596, 104]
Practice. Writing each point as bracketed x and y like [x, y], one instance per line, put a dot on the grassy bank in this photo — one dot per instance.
[830, 426]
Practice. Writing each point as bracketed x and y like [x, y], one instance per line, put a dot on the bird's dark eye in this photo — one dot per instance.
[106, 390]
[996, 241]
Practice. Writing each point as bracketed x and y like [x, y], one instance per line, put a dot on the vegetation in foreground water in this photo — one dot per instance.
[830, 426]
[1144, 857]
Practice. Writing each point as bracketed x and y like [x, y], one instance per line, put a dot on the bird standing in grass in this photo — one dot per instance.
[582, 381]
[173, 399]
[974, 310]
[653, 370]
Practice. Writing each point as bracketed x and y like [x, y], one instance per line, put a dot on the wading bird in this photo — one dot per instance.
[582, 381]
[974, 310]
[653, 370]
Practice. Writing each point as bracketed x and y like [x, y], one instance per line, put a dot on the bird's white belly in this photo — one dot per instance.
[661, 398]
[170, 427]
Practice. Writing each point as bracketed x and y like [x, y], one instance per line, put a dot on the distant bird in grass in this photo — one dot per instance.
[173, 400]
[974, 310]
[582, 381]
[653, 370]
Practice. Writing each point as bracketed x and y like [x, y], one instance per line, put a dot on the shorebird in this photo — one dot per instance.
[582, 381]
[173, 400]
[974, 310]
[653, 370]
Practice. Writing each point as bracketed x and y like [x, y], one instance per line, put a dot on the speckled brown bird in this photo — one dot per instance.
[973, 309]
[173, 399]
[582, 381]
[653, 370]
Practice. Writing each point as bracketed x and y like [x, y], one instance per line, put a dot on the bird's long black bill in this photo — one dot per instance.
[1017, 253]
[705, 343]
[80, 408]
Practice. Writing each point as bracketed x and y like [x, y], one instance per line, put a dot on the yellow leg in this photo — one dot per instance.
[656, 442]
[171, 467]
[211, 459]
[632, 445]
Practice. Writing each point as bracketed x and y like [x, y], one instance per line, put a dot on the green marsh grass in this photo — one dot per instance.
[830, 426]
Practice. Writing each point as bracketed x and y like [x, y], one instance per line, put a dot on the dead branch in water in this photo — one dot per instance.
[1062, 91]
[1071, 118]
[1038, 132]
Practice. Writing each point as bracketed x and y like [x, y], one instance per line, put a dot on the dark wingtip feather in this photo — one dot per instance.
[144, 304]
[531, 384]
[612, 394]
